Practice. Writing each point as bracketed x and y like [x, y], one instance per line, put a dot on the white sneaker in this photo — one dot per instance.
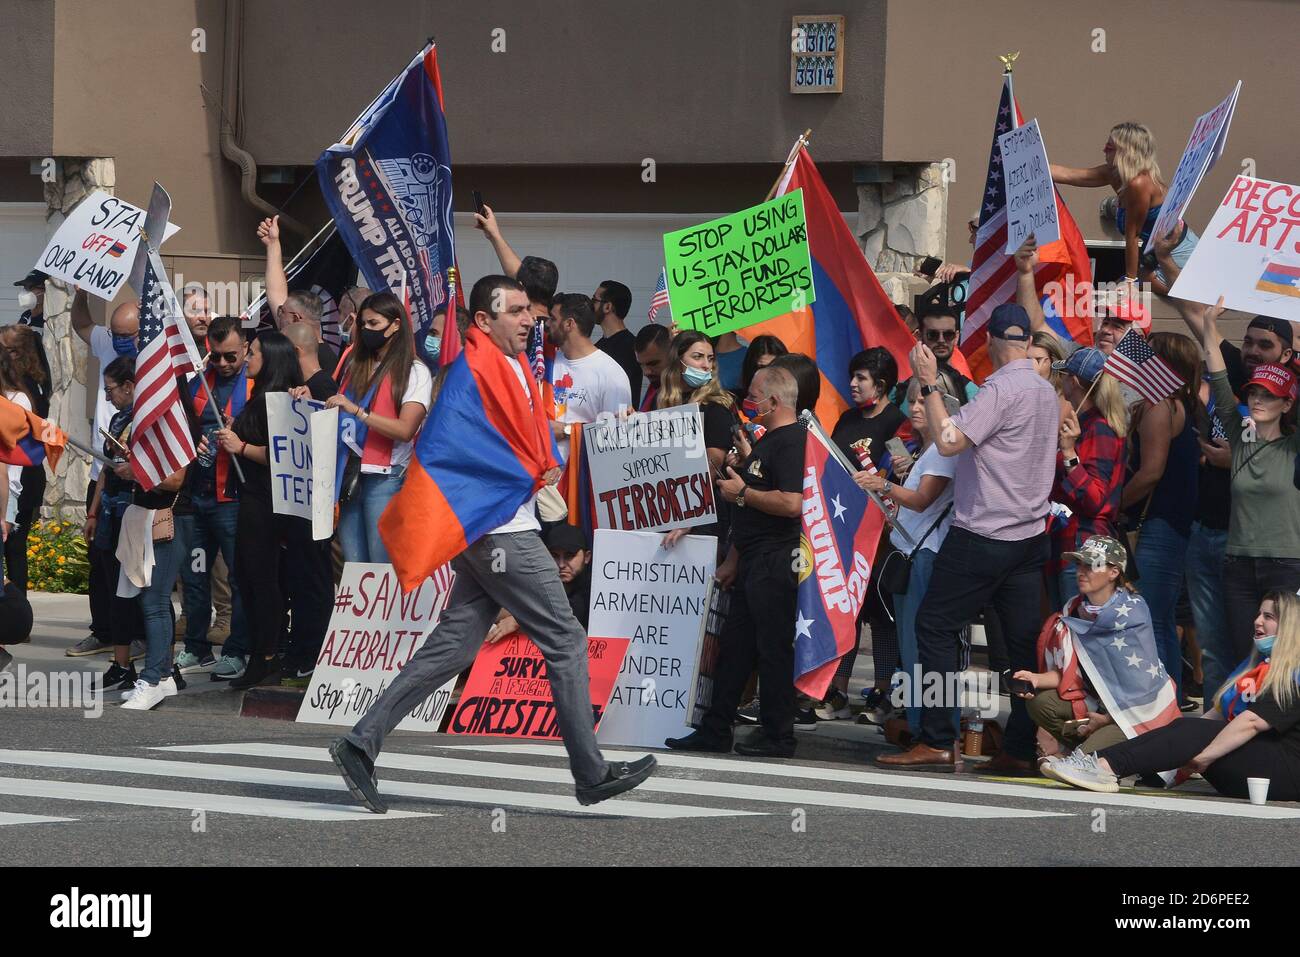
[145, 696]
[168, 686]
[1081, 771]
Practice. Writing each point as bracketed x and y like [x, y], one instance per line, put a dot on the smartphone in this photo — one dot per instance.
[478, 202]
[1074, 725]
[897, 447]
[929, 266]
[1019, 686]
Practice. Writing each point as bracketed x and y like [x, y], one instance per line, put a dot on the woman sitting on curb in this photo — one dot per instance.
[1253, 731]
[1101, 679]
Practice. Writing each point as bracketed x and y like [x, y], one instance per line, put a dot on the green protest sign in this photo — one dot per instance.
[740, 269]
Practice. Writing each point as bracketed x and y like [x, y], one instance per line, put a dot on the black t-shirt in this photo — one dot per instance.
[1285, 724]
[774, 464]
[621, 347]
[251, 427]
[118, 427]
[1236, 367]
[327, 357]
[718, 420]
[853, 426]
[321, 386]
[1214, 498]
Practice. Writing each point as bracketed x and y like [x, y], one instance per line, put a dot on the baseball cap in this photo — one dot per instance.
[1099, 551]
[566, 538]
[1009, 316]
[1279, 327]
[1085, 363]
[38, 278]
[1276, 379]
[1128, 310]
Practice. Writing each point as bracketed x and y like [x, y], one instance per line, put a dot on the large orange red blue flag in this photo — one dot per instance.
[482, 453]
[851, 312]
[27, 439]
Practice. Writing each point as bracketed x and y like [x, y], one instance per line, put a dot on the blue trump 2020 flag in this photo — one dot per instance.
[387, 184]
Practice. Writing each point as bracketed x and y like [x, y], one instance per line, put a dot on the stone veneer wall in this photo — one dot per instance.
[902, 222]
[72, 369]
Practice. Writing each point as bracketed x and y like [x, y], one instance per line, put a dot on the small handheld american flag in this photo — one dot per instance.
[1136, 364]
[660, 297]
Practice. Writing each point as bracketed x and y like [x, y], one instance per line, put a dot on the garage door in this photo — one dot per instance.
[23, 235]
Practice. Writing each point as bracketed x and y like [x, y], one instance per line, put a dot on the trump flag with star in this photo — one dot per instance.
[841, 529]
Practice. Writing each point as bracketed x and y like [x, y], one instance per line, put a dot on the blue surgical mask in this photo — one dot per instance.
[432, 346]
[1265, 644]
[124, 345]
[696, 377]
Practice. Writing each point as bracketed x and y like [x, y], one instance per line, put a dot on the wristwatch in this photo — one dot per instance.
[1071, 462]
[927, 389]
[888, 487]
[740, 497]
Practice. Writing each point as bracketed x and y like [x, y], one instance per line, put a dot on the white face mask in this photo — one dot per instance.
[26, 300]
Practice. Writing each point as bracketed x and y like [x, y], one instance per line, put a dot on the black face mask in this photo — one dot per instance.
[373, 339]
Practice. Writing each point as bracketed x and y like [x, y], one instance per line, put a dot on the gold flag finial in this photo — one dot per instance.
[1008, 61]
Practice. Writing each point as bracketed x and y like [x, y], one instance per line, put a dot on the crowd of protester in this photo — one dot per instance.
[1050, 492]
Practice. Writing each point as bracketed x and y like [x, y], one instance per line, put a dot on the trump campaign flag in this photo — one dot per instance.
[851, 312]
[387, 184]
[482, 453]
[840, 534]
[1063, 276]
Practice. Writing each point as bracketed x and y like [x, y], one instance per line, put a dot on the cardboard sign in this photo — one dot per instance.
[1204, 147]
[740, 269]
[650, 471]
[289, 453]
[96, 246]
[1031, 195]
[508, 693]
[373, 633]
[1250, 253]
[324, 463]
[657, 596]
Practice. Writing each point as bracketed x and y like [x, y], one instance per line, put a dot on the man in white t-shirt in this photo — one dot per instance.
[106, 344]
[587, 381]
[507, 568]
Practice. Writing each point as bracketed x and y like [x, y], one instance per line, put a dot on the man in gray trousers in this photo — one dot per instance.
[511, 568]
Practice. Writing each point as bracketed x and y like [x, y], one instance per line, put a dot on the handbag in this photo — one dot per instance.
[164, 521]
[352, 464]
[895, 575]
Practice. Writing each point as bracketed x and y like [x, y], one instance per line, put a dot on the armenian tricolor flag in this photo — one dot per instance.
[1280, 278]
[27, 439]
[482, 453]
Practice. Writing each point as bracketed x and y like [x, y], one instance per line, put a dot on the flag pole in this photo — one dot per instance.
[810, 422]
[799, 144]
[73, 443]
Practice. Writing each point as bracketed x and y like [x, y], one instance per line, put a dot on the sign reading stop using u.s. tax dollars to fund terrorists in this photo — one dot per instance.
[740, 269]
[374, 631]
[656, 596]
[650, 471]
[1031, 195]
[96, 245]
[1250, 252]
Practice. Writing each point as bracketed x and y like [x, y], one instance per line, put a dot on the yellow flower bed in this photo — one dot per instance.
[57, 559]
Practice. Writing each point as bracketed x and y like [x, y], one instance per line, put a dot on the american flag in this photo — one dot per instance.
[161, 442]
[1136, 364]
[660, 297]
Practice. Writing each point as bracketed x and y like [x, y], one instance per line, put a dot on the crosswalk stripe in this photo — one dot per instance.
[932, 782]
[9, 817]
[271, 777]
[676, 786]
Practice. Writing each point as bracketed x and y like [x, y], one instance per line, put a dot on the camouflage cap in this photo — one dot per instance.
[1099, 551]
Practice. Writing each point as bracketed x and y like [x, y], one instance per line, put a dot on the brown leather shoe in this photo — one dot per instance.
[922, 757]
[1004, 765]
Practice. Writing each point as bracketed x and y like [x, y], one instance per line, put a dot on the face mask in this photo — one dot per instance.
[696, 377]
[345, 336]
[125, 346]
[373, 339]
[1265, 644]
[751, 410]
[432, 346]
[868, 405]
[26, 300]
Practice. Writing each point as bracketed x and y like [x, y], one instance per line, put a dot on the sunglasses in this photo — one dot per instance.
[934, 335]
[225, 357]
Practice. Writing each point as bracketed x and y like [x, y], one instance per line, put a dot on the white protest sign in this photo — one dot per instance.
[324, 463]
[288, 453]
[96, 245]
[1250, 253]
[1031, 195]
[656, 597]
[373, 633]
[1204, 147]
[650, 471]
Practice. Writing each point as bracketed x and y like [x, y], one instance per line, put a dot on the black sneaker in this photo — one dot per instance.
[749, 714]
[118, 678]
[260, 671]
[759, 745]
[620, 777]
[358, 773]
[699, 741]
[805, 718]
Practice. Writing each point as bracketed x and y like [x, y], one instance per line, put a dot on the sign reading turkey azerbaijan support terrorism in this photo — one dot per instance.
[741, 269]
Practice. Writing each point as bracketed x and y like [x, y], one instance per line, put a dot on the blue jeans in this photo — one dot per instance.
[1161, 556]
[156, 606]
[906, 607]
[209, 527]
[359, 518]
[1205, 552]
